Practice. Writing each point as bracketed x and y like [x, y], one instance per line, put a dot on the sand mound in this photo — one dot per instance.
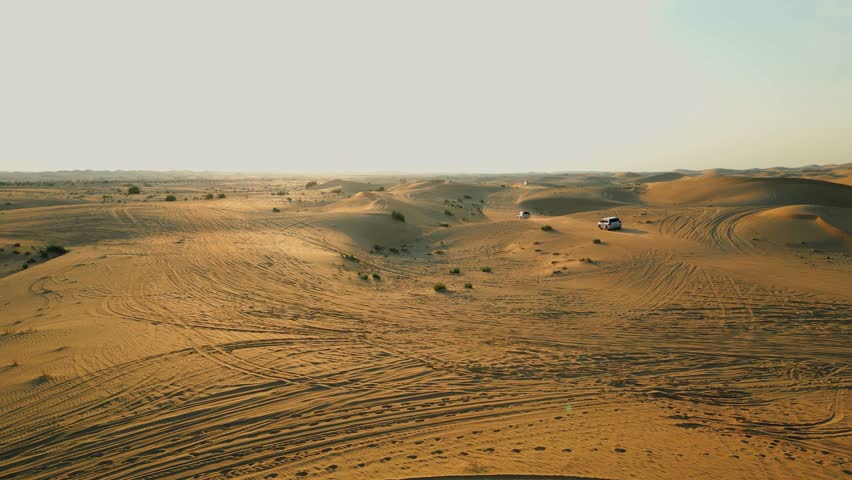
[660, 177]
[794, 224]
[348, 187]
[565, 205]
[722, 190]
[440, 190]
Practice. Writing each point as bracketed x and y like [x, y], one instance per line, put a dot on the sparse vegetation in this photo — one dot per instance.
[350, 257]
[468, 285]
[133, 190]
[221, 195]
[439, 287]
[398, 216]
[209, 196]
[276, 209]
[56, 249]
[485, 269]
[376, 276]
[455, 271]
[171, 198]
[546, 228]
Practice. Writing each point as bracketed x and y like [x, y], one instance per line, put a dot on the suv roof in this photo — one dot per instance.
[610, 218]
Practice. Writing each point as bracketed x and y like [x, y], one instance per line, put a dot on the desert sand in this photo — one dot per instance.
[219, 338]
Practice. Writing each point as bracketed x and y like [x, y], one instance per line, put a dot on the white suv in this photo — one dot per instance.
[609, 223]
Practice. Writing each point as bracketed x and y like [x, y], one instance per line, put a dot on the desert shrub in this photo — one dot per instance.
[468, 285]
[171, 198]
[445, 225]
[43, 254]
[276, 209]
[439, 252]
[209, 196]
[133, 190]
[337, 190]
[439, 287]
[597, 241]
[350, 257]
[468, 197]
[398, 216]
[27, 252]
[455, 270]
[16, 244]
[546, 228]
[221, 195]
[311, 184]
[378, 248]
[394, 250]
[56, 249]
[24, 266]
[376, 276]
[363, 276]
[448, 213]
[380, 189]
[485, 269]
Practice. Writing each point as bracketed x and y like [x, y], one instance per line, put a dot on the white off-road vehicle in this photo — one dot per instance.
[609, 223]
[524, 215]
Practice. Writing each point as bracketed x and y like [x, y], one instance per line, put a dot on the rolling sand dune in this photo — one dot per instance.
[724, 190]
[261, 336]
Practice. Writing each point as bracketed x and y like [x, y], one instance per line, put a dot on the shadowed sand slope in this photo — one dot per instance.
[229, 338]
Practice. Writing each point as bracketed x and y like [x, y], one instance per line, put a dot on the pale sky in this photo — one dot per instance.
[432, 86]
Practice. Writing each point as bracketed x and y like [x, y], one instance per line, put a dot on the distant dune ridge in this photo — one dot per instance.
[390, 327]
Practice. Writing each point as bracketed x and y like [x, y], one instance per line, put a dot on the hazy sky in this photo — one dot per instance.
[473, 86]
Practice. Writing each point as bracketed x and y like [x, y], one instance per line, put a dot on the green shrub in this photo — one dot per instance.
[546, 228]
[394, 250]
[468, 285]
[171, 198]
[455, 270]
[448, 213]
[380, 189]
[376, 276]
[350, 257]
[445, 225]
[276, 209]
[398, 216]
[468, 197]
[209, 196]
[310, 184]
[363, 276]
[133, 190]
[221, 195]
[597, 240]
[378, 248]
[439, 287]
[485, 269]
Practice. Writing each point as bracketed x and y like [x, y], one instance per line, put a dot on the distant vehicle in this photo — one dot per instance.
[524, 215]
[609, 223]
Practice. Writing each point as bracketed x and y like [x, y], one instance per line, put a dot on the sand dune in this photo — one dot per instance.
[231, 338]
[724, 190]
